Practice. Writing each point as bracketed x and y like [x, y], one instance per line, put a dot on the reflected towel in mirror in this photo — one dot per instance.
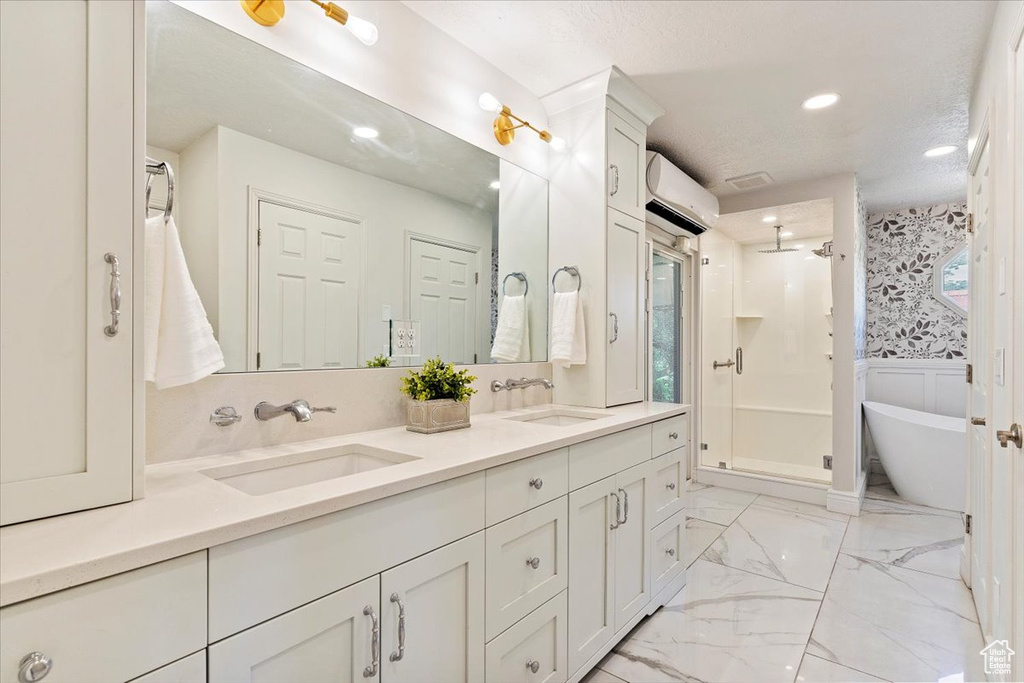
[179, 343]
[512, 337]
[568, 337]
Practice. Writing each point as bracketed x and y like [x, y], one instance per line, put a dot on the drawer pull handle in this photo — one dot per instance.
[33, 667]
[533, 665]
[371, 671]
[115, 314]
[537, 483]
[397, 656]
[671, 486]
[625, 506]
[673, 435]
[671, 552]
[533, 562]
[618, 509]
[615, 179]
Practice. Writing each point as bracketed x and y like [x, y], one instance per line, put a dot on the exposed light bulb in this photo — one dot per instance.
[365, 132]
[557, 144]
[821, 101]
[940, 151]
[768, 219]
[489, 102]
[496, 185]
[362, 29]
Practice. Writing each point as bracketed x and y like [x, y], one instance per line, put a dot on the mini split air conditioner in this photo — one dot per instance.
[676, 203]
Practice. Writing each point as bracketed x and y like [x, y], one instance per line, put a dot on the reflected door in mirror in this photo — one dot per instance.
[443, 297]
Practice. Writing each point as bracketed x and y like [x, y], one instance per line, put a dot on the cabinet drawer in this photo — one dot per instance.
[114, 629]
[520, 486]
[256, 578]
[668, 483]
[538, 640]
[600, 458]
[514, 586]
[670, 434]
[667, 551]
[191, 669]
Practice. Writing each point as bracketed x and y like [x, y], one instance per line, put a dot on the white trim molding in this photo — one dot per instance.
[848, 502]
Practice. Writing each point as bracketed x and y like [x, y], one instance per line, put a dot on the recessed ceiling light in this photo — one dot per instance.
[365, 132]
[496, 185]
[769, 219]
[785, 234]
[940, 151]
[821, 101]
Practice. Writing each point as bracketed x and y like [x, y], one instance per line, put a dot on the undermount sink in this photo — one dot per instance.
[299, 469]
[558, 417]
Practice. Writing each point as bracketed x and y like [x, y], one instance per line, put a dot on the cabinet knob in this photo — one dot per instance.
[533, 665]
[671, 552]
[533, 562]
[33, 667]
[537, 483]
[671, 486]
[673, 435]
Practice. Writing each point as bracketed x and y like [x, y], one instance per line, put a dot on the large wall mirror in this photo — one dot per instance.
[322, 227]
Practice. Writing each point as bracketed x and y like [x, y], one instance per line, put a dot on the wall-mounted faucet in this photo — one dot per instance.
[299, 408]
[521, 383]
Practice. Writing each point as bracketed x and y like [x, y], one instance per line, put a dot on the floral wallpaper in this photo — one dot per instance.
[904, 320]
[860, 239]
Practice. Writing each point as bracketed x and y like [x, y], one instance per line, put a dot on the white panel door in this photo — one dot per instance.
[443, 297]
[627, 179]
[330, 640]
[433, 616]
[631, 539]
[66, 176]
[591, 570]
[627, 355]
[310, 276]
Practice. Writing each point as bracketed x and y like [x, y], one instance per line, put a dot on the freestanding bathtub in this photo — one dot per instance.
[924, 454]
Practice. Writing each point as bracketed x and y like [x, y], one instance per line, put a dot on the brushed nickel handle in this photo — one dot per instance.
[727, 364]
[33, 667]
[739, 360]
[533, 562]
[671, 552]
[225, 416]
[625, 506]
[615, 176]
[537, 483]
[397, 656]
[371, 671]
[533, 665]
[673, 435]
[1012, 435]
[615, 328]
[115, 294]
[671, 486]
[978, 421]
[325, 409]
[618, 509]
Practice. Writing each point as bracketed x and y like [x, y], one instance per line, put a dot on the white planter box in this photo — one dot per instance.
[439, 415]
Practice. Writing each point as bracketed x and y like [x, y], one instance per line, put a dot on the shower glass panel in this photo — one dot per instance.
[666, 329]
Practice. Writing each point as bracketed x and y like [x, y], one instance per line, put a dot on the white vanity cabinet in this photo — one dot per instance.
[66, 177]
[627, 181]
[626, 356]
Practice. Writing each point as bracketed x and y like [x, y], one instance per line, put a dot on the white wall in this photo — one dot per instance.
[388, 212]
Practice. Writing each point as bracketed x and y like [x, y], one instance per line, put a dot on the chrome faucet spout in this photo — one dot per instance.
[299, 409]
[521, 383]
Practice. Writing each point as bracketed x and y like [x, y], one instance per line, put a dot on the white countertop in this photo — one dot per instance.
[185, 511]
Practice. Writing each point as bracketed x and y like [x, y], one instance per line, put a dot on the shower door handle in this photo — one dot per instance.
[726, 364]
[739, 360]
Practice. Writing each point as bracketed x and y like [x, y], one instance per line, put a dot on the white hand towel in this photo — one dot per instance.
[179, 343]
[512, 337]
[568, 336]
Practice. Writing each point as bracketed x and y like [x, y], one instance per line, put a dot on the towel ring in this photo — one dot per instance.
[155, 168]
[572, 270]
[519, 276]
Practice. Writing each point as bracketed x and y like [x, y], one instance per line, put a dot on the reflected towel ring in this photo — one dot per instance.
[155, 168]
[572, 270]
[519, 276]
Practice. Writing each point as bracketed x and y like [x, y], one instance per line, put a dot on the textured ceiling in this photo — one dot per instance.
[200, 75]
[804, 220]
[732, 75]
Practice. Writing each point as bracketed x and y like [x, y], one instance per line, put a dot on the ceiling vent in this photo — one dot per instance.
[750, 181]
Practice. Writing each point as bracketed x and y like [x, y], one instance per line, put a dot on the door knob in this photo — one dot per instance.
[1012, 435]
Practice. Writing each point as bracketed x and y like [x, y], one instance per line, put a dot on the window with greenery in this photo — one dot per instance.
[950, 281]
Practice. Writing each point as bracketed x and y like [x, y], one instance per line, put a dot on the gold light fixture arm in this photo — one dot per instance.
[339, 14]
[505, 130]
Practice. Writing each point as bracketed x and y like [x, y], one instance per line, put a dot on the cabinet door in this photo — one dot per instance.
[433, 619]
[667, 482]
[329, 640]
[66, 177]
[626, 348]
[632, 572]
[627, 180]
[591, 570]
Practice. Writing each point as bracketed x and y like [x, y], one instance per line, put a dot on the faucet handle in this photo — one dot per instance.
[325, 409]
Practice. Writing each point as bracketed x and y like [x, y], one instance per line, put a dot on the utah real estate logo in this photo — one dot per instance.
[998, 657]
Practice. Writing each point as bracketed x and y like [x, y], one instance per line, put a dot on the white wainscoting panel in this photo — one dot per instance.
[932, 386]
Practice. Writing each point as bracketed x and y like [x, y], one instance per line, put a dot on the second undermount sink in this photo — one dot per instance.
[558, 417]
[299, 469]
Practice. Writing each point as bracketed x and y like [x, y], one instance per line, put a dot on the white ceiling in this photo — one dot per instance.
[804, 220]
[732, 75]
[200, 75]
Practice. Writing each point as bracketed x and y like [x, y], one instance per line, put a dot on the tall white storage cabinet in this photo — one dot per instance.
[67, 155]
[601, 230]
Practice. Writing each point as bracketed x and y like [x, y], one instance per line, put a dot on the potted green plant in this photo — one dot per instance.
[379, 361]
[440, 397]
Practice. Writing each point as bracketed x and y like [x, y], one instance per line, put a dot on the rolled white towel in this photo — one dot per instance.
[512, 337]
[568, 335]
[178, 340]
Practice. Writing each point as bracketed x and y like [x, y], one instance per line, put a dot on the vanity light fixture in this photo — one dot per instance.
[269, 12]
[940, 151]
[365, 132]
[505, 129]
[821, 101]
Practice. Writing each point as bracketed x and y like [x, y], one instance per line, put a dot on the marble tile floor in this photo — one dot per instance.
[784, 591]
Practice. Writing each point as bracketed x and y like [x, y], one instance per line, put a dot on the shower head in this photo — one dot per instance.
[778, 244]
